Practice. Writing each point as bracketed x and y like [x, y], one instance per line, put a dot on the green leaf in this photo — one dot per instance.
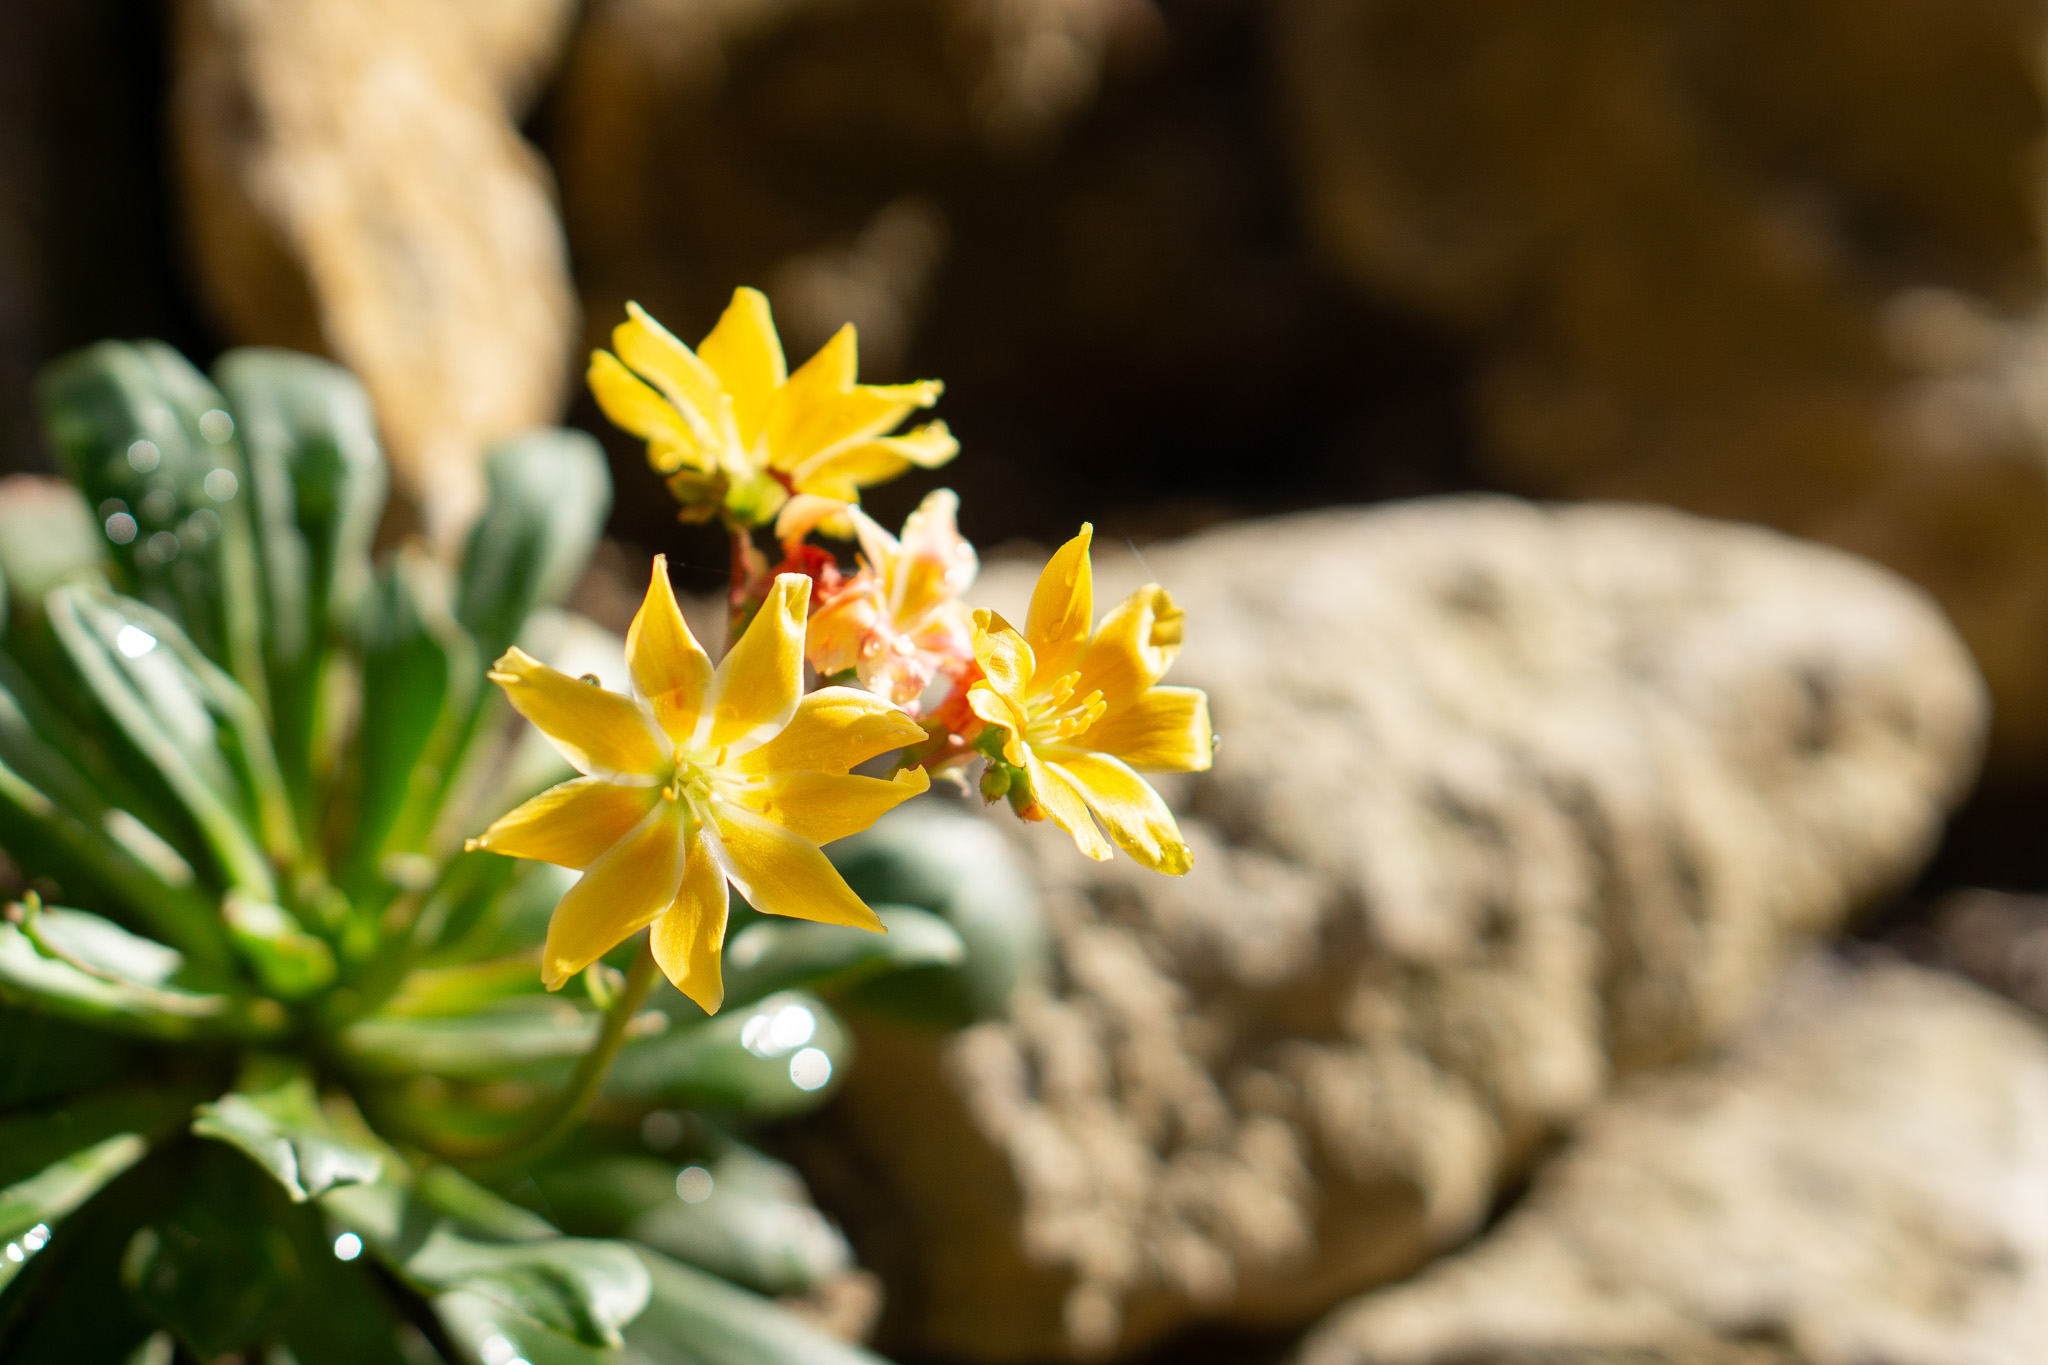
[31, 1140]
[30, 1209]
[274, 1117]
[699, 1319]
[220, 1266]
[61, 822]
[960, 868]
[76, 966]
[291, 963]
[48, 534]
[741, 1216]
[772, 1059]
[585, 1290]
[454, 992]
[779, 954]
[318, 485]
[145, 436]
[549, 494]
[201, 732]
[421, 675]
[66, 1305]
[473, 1046]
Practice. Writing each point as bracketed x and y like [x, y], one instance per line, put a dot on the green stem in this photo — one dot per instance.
[539, 1134]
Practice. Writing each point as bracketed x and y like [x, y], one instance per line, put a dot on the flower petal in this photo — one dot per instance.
[1061, 798]
[833, 729]
[1062, 608]
[1166, 730]
[747, 356]
[755, 691]
[619, 893]
[841, 471]
[634, 407]
[782, 874]
[1136, 817]
[821, 807]
[598, 731]
[807, 512]
[997, 709]
[1007, 661]
[689, 937]
[571, 824]
[1134, 645]
[670, 669]
[690, 385]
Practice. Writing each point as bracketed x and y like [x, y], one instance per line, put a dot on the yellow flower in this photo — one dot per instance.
[731, 429]
[899, 623]
[705, 777]
[1080, 711]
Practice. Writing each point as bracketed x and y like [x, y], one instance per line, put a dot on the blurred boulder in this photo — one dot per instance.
[1996, 938]
[355, 184]
[1861, 1180]
[1676, 233]
[705, 144]
[1510, 801]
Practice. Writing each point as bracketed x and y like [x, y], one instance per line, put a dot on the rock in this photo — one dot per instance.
[1510, 801]
[1861, 1180]
[355, 184]
[1997, 939]
[1675, 235]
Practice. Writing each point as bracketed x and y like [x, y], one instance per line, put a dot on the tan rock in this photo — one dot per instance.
[1673, 233]
[1510, 800]
[1863, 1179]
[354, 184]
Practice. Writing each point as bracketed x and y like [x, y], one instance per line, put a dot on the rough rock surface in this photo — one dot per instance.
[1863, 1180]
[354, 183]
[1691, 243]
[1510, 800]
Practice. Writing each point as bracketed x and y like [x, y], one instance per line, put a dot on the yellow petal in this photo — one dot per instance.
[670, 669]
[747, 356]
[689, 936]
[1134, 645]
[839, 471]
[599, 732]
[690, 385]
[1062, 608]
[617, 895]
[1136, 817]
[997, 709]
[572, 824]
[821, 807]
[633, 406]
[1062, 800]
[1006, 660]
[1165, 730]
[781, 874]
[833, 729]
[757, 687]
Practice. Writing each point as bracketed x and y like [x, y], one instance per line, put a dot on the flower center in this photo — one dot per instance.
[1057, 717]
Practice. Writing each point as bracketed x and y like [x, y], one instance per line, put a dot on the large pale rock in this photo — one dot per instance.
[1674, 233]
[354, 183]
[1863, 1181]
[1510, 800]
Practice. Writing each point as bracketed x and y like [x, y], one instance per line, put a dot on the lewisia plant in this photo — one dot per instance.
[394, 962]
[1063, 715]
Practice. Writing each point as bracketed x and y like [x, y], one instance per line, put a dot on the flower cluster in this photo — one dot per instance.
[734, 775]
